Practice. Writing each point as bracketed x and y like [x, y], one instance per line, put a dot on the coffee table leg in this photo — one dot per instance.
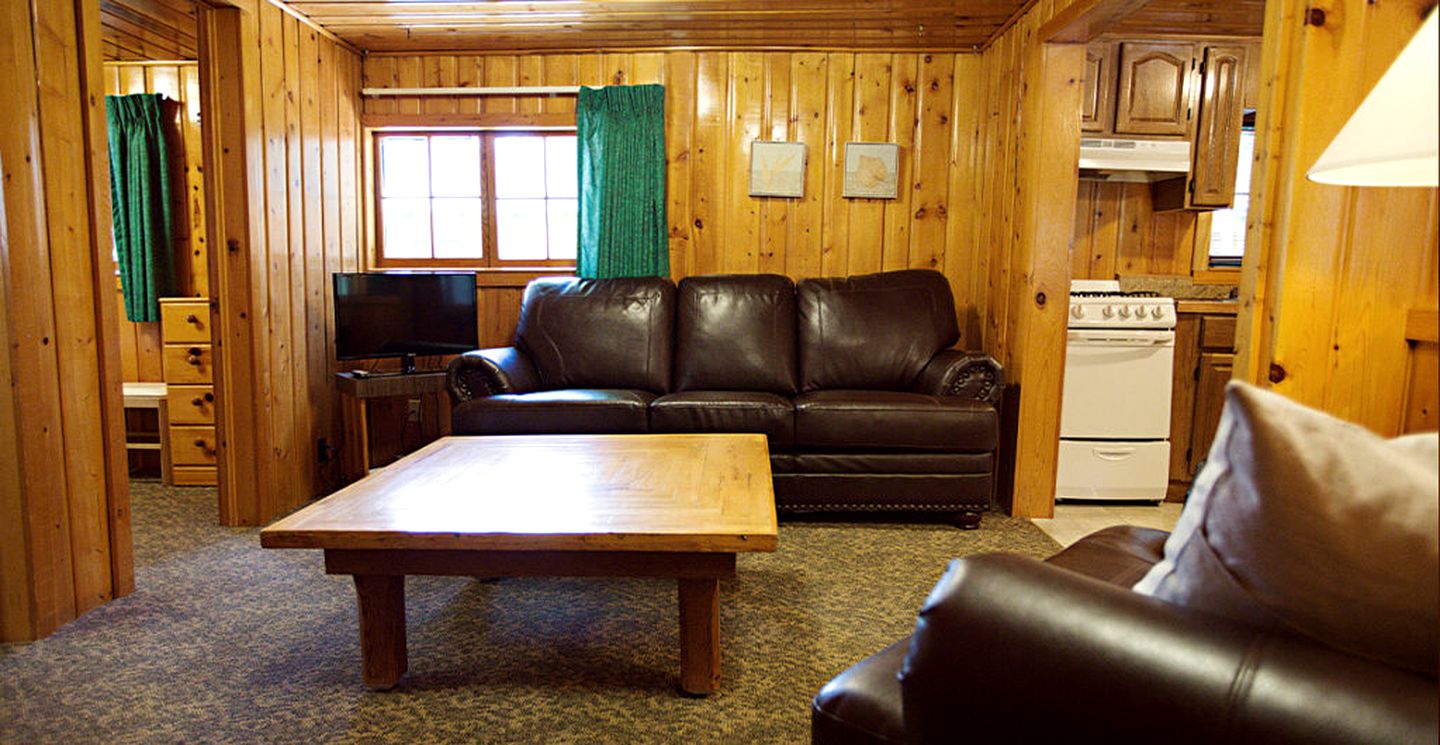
[382, 629]
[700, 636]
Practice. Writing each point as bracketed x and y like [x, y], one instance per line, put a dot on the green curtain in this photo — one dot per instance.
[140, 203]
[621, 140]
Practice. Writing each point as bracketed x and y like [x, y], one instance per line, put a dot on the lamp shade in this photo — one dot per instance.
[1392, 139]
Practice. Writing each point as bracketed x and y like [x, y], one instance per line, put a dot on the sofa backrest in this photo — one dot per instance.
[599, 333]
[872, 331]
[736, 332]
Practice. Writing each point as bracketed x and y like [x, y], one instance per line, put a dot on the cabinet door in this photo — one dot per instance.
[1097, 105]
[1155, 89]
[1214, 373]
[1217, 134]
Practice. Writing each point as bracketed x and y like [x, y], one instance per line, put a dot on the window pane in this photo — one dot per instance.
[1227, 226]
[404, 167]
[407, 228]
[456, 166]
[458, 228]
[519, 166]
[563, 215]
[520, 229]
[560, 173]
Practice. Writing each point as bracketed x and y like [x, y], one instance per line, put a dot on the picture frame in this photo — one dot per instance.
[777, 169]
[872, 170]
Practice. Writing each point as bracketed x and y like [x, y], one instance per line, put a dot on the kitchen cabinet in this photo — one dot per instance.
[1156, 88]
[1204, 360]
[1097, 107]
[1174, 90]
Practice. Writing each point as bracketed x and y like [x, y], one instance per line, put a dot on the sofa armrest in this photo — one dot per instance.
[1030, 652]
[955, 372]
[487, 372]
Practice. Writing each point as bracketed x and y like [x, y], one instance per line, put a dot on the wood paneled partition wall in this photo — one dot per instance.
[1334, 275]
[283, 150]
[64, 501]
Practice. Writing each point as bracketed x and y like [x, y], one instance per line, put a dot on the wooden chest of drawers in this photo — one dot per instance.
[186, 364]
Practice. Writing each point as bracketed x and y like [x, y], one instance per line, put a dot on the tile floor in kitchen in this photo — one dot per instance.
[1075, 521]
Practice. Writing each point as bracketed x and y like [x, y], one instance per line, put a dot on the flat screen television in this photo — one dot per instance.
[403, 315]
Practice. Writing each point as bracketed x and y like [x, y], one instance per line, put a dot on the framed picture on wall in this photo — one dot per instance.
[872, 170]
[777, 169]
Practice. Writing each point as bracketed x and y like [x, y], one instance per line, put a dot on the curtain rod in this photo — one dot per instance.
[506, 90]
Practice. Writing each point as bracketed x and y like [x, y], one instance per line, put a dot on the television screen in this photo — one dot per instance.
[399, 314]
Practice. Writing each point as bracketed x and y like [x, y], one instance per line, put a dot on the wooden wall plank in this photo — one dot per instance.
[63, 495]
[808, 108]
[836, 224]
[1322, 312]
[870, 121]
[744, 104]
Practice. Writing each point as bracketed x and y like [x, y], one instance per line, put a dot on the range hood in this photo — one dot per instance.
[1133, 160]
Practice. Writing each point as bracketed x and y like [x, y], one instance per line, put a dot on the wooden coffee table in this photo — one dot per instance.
[678, 506]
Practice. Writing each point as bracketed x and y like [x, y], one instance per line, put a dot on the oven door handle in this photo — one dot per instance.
[1113, 453]
[1153, 339]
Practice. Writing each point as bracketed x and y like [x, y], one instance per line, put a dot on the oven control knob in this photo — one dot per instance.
[1157, 312]
[1109, 311]
[1077, 311]
[1139, 311]
[1124, 311]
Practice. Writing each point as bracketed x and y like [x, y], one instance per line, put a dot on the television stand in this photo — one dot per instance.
[355, 392]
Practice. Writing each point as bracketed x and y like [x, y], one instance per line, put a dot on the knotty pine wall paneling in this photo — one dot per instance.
[1030, 139]
[717, 104]
[1333, 273]
[1118, 235]
[64, 501]
[286, 154]
[178, 81]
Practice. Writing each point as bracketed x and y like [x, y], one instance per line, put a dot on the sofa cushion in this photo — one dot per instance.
[864, 420]
[725, 411]
[735, 332]
[875, 331]
[568, 411]
[1306, 525]
[599, 333]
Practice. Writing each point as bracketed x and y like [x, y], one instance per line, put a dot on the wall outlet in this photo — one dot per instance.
[414, 409]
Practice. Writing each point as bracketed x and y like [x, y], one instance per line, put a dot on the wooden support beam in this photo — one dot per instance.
[1084, 20]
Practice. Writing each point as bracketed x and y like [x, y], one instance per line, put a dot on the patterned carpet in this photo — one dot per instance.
[225, 642]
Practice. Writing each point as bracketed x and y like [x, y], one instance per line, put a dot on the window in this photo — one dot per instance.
[475, 199]
[1227, 226]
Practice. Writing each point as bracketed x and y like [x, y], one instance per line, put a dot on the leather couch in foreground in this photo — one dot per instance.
[1009, 649]
[853, 380]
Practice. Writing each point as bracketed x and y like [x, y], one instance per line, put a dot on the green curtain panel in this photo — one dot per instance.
[621, 141]
[140, 203]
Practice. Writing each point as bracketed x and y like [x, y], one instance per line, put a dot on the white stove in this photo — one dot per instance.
[1115, 412]
[1099, 304]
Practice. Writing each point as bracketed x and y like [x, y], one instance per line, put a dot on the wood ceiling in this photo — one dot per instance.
[165, 29]
[604, 24]
[148, 29]
[1192, 17]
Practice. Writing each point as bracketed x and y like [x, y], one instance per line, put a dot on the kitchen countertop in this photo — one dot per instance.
[1209, 307]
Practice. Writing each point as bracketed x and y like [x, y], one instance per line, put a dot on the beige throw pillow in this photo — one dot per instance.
[1306, 525]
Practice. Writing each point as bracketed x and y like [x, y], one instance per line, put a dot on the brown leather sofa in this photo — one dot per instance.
[853, 380]
[1009, 649]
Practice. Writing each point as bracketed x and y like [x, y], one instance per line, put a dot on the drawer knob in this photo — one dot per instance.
[192, 318]
[199, 400]
[199, 443]
[193, 356]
